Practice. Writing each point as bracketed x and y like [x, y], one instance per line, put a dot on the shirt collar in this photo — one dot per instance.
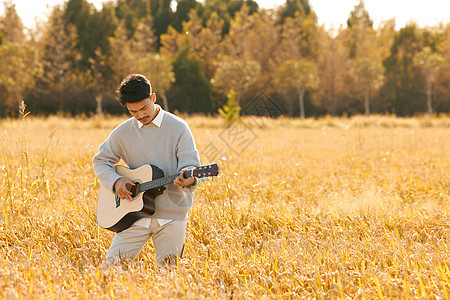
[157, 120]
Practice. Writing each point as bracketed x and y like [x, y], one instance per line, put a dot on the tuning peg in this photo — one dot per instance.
[207, 179]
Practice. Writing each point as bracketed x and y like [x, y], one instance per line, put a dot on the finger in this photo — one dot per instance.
[180, 182]
[128, 181]
[182, 173]
[125, 197]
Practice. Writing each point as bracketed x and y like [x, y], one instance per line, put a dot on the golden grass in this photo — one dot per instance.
[327, 208]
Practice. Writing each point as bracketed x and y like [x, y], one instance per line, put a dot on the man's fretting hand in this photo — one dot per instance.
[181, 181]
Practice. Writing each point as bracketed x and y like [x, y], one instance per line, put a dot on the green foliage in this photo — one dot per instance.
[79, 13]
[162, 16]
[230, 111]
[192, 91]
[291, 7]
[226, 10]
[132, 12]
[182, 13]
[401, 74]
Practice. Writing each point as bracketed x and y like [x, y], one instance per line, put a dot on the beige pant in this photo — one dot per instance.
[168, 241]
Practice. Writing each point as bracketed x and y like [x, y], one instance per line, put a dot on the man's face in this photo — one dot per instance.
[144, 110]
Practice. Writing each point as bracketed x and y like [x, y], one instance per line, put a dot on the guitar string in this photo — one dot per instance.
[159, 182]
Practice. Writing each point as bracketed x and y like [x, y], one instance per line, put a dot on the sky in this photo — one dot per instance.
[331, 13]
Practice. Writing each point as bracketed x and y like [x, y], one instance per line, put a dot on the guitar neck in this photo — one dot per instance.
[162, 181]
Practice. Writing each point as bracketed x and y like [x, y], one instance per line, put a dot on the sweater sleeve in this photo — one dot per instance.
[187, 155]
[104, 162]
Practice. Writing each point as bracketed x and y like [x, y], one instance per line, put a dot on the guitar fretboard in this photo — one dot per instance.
[162, 181]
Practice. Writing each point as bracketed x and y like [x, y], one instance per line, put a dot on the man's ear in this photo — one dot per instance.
[153, 97]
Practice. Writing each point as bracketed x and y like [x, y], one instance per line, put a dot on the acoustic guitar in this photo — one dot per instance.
[116, 214]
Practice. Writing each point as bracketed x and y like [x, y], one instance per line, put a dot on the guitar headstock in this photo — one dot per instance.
[206, 171]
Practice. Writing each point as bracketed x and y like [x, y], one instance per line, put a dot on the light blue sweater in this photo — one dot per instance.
[169, 146]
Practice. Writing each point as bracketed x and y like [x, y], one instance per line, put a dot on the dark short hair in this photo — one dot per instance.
[134, 88]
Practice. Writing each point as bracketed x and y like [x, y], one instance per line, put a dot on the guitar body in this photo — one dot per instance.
[116, 214]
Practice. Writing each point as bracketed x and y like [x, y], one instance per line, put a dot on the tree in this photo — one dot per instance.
[160, 74]
[162, 15]
[63, 81]
[429, 63]
[170, 42]
[263, 39]
[291, 7]
[298, 39]
[122, 59]
[133, 12]
[226, 10]
[191, 89]
[250, 43]
[365, 56]
[182, 13]
[105, 23]
[192, 29]
[19, 63]
[237, 75]
[290, 40]
[230, 111]
[82, 16]
[333, 67]
[19, 69]
[236, 43]
[361, 31]
[370, 75]
[442, 90]
[298, 74]
[208, 44]
[402, 78]
[102, 79]
[11, 26]
[144, 40]
[384, 38]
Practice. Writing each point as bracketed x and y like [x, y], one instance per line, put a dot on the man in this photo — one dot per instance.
[151, 136]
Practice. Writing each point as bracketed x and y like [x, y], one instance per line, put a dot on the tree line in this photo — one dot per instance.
[199, 54]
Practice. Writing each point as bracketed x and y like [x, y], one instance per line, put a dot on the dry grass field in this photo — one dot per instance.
[350, 208]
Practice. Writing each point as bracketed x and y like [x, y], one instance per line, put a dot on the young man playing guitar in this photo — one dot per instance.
[150, 136]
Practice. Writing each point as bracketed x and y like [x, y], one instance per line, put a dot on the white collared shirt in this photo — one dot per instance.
[157, 120]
